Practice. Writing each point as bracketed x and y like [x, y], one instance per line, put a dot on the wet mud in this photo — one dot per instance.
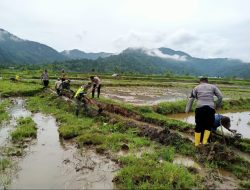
[118, 110]
[187, 162]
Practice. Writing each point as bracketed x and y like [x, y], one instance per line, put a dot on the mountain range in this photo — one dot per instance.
[16, 51]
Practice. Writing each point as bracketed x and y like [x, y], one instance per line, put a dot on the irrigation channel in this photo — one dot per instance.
[51, 163]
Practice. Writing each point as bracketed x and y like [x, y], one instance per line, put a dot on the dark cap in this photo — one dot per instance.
[203, 79]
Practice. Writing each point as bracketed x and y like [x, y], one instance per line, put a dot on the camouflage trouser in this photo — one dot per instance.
[81, 103]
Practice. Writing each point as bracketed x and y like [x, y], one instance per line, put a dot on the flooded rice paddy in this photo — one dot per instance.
[144, 95]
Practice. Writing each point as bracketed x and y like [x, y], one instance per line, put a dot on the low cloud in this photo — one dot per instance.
[158, 53]
[199, 45]
[195, 44]
[5, 35]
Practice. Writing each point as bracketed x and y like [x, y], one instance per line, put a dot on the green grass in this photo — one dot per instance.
[243, 146]
[147, 114]
[4, 163]
[8, 88]
[237, 104]
[26, 128]
[165, 108]
[3, 114]
[70, 125]
[163, 121]
[5, 178]
[239, 167]
[245, 184]
[179, 106]
[148, 173]
[90, 139]
[9, 151]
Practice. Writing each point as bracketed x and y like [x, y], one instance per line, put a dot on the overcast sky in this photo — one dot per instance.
[202, 28]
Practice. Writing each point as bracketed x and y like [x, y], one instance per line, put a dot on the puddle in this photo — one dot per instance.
[144, 95]
[51, 164]
[228, 181]
[16, 111]
[219, 179]
[240, 121]
[187, 162]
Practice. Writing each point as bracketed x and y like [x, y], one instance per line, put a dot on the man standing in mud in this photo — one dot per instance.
[205, 109]
[81, 98]
[96, 82]
[45, 78]
[63, 75]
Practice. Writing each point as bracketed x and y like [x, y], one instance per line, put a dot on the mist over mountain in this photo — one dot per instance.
[14, 50]
[159, 61]
[77, 54]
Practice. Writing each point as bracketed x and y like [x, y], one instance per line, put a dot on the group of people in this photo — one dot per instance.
[205, 118]
[64, 82]
[82, 100]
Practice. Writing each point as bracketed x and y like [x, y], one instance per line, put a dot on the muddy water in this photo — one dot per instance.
[17, 110]
[187, 162]
[144, 95]
[219, 179]
[50, 164]
[240, 121]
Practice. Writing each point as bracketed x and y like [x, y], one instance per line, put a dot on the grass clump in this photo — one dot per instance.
[26, 128]
[243, 146]
[242, 103]
[70, 125]
[90, 139]
[166, 122]
[8, 88]
[171, 107]
[163, 153]
[165, 108]
[245, 184]
[239, 167]
[4, 163]
[3, 114]
[148, 173]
